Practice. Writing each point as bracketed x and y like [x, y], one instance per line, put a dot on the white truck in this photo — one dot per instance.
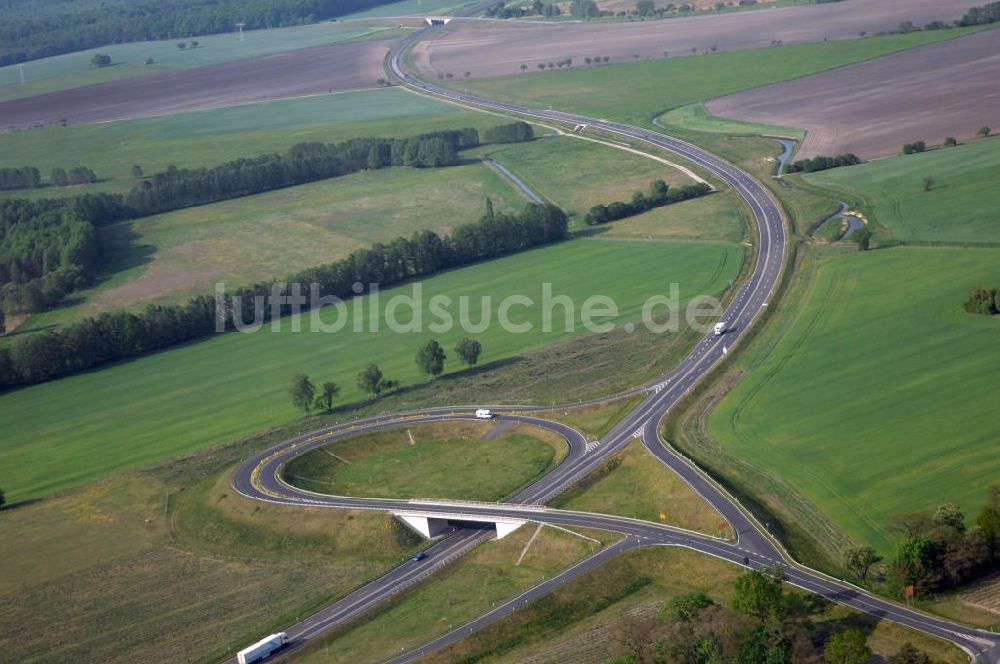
[719, 329]
[484, 414]
[262, 648]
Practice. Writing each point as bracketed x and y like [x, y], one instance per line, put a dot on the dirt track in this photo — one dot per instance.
[872, 108]
[496, 49]
[308, 71]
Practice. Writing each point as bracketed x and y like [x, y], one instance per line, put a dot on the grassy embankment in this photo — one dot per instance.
[199, 395]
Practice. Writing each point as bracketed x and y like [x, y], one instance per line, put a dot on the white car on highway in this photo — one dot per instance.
[484, 414]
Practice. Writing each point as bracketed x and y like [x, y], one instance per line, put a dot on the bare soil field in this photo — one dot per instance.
[336, 67]
[496, 49]
[872, 108]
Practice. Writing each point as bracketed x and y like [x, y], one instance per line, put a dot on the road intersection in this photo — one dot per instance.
[751, 546]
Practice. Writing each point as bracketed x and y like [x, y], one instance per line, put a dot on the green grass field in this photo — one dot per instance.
[206, 138]
[73, 69]
[170, 257]
[641, 487]
[209, 392]
[639, 90]
[878, 398]
[960, 208]
[428, 461]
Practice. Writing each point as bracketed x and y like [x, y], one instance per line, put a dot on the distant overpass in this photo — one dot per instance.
[437, 20]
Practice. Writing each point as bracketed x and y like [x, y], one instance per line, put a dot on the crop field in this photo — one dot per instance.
[641, 89]
[960, 208]
[308, 71]
[904, 424]
[208, 392]
[173, 256]
[873, 108]
[460, 460]
[206, 138]
[498, 49]
[73, 70]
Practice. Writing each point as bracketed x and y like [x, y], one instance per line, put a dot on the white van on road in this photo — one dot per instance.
[719, 329]
[484, 414]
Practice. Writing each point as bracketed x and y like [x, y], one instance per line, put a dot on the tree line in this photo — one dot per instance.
[44, 259]
[989, 13]
[31, 37]
[822, 163]
[29, 177]
[536, 8]
[984, 301]
[660, 194]
[114, 336]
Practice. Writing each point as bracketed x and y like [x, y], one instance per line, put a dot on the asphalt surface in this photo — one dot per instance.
[260, 477]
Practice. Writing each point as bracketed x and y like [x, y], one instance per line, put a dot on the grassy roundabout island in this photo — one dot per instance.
[460, 460]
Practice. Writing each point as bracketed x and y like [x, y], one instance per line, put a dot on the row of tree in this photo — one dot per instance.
[515, 132]
[822, 163]
[29, 177]
[536, 8]
[763, 624]
[76, 175]
[24, 177]
[984, 301]
[371, 380]
[114, 336]
[660, 194]
[989, 13]
[29, 37]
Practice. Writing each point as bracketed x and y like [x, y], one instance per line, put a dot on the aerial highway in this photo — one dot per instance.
[750, 546]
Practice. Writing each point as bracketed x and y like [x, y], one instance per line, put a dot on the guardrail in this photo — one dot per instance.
[473, 503]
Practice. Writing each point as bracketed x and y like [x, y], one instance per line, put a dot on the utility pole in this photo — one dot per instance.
[20, 69]
[240, 26]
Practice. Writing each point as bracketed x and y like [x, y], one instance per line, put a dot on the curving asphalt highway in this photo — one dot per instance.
[260, 477]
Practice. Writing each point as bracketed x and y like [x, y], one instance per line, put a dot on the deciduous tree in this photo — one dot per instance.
[860, 560]
[468, 351]
[430, 358]
[847, 647]
[302, 392]
[325, 398]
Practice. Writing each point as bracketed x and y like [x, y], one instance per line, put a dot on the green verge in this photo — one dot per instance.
[73, 70]
[881, 388]
[197, 395]
[640, 90]
[455, 460]
[960, 208]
